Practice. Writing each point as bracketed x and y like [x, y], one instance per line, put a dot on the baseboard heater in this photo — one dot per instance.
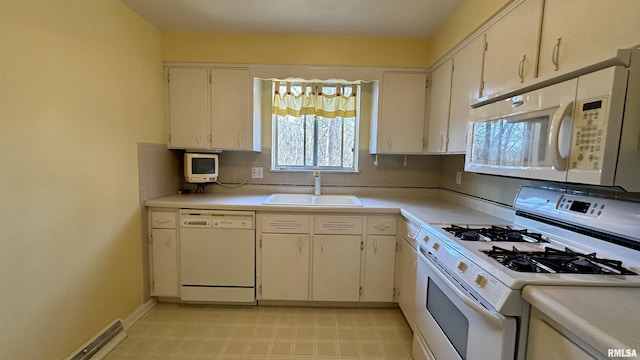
[91, 348]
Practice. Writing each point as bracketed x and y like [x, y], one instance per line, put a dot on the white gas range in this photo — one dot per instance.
[470, 276]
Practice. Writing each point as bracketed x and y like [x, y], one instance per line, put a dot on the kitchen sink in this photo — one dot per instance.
[312, 200]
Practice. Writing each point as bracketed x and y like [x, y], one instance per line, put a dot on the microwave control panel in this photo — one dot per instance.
[589, 133]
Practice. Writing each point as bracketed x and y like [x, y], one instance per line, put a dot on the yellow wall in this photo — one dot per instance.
[468, 17]
[314, 50]
[294, 49]
[80, 85]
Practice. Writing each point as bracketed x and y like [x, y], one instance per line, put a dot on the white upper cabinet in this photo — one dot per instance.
[511, 53]
[399, 126]
[465, 90]
[188, 108]
[576, 33]
[230, 107]
[210, 108]
[438, 119]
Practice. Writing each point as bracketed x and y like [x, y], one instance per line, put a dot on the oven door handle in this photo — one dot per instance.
[494, 319]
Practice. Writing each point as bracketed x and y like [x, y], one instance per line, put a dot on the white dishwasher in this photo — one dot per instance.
[217, 256]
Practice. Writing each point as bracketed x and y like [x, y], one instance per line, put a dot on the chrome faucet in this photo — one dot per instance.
[316, 186]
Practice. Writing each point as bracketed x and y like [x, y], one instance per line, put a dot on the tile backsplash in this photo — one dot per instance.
[161, 171]
[420, 171]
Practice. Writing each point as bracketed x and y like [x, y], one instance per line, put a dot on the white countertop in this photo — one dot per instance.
[423, 205]
[604, 317]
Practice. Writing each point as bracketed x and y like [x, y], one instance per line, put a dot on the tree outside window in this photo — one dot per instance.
[315, 126]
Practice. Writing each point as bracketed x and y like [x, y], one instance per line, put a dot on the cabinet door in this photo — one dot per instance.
[576, 33]
[379, 264]
[407, 286]
[465, 90]
[336, 267]
[189, 114]
[439, 96]
[285, 267]
[511, 53]
[164, 253]
[230, 107]
[546, 342]
[402, 110]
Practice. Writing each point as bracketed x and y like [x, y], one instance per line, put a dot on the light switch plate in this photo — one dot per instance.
[458, 177]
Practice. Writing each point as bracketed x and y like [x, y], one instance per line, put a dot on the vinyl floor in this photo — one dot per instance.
[180, 332]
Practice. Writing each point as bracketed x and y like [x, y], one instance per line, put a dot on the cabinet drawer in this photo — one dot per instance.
[338, 225]
[163, 219]
[285, 224]
[381, 226]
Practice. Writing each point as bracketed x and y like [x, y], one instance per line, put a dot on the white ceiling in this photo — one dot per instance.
[374, 18]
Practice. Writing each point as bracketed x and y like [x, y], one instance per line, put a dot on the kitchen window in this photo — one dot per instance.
[315, 126]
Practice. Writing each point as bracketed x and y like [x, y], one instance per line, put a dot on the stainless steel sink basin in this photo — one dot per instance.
[312, 200]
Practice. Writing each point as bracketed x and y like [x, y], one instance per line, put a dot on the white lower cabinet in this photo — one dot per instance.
[379, 263]
[326, 258]
[545, 341]
[284, 260]
[407, 268]
[336, 267]
[164, 253]
[285, 266]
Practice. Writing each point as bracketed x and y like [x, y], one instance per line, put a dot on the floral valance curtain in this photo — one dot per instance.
[315, 102]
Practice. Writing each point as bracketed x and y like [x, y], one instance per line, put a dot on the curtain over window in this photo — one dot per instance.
[315, 126]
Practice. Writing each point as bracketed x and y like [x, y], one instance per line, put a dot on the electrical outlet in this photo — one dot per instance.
[459, 177]
[256, 173]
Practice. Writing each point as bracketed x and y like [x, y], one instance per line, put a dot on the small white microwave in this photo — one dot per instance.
[200, 168]
[584, 130]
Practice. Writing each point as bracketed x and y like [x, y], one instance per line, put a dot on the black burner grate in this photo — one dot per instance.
[556, 261]
[494, 233]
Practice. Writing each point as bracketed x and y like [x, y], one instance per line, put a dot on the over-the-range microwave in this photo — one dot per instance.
[582, 127]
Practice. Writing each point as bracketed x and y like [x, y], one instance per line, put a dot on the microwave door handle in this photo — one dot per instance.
[494, 319]
[557, 160]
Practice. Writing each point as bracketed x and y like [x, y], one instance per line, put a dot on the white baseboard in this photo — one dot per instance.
[138, 313]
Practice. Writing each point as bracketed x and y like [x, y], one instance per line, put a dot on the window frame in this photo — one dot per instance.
[311, 168]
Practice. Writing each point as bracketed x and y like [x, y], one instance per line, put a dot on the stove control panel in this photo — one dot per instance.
[609, 215]
[593, 207]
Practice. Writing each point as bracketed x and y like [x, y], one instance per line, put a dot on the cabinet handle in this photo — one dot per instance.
[521, 68]
[375, 246]
[167, 239]
[441, 142]
[555, 56]
[239, 139]
[300, 245]
[321, 246]
[198, 138]
[162, 221]
[389, 144]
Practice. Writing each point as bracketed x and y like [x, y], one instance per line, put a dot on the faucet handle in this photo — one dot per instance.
[316, 173]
